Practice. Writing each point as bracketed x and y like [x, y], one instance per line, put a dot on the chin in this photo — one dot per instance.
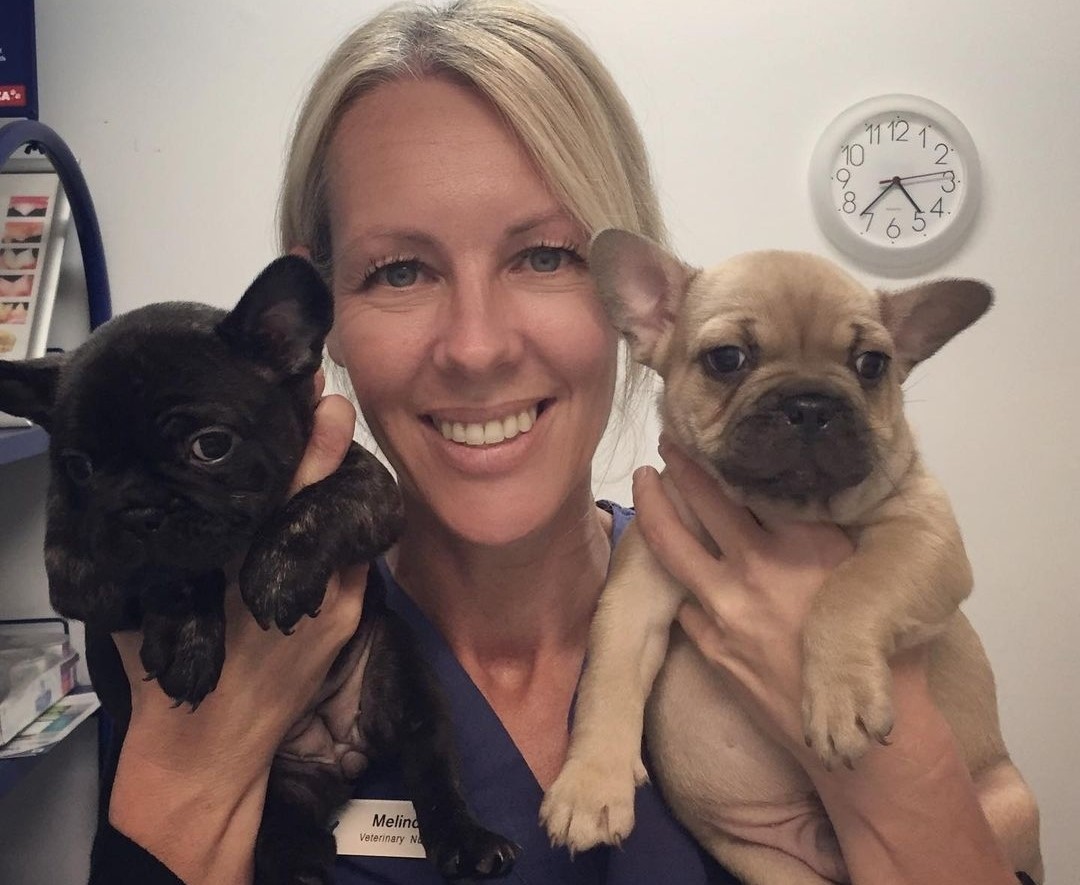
[494, 516]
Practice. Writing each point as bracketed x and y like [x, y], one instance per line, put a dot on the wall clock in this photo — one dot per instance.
[895, 183]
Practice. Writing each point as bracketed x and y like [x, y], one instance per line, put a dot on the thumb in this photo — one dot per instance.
[331, 435]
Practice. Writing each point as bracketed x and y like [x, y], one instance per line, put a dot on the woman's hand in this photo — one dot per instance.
[202, 773]
[908, 812]
[752, 598]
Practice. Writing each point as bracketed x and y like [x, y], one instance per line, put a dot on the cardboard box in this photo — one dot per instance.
[18, 61]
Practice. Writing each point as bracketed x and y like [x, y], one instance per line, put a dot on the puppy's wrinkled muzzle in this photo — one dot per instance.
[801, 447]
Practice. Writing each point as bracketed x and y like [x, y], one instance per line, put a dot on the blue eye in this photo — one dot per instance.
[399, 275]
[546, 259]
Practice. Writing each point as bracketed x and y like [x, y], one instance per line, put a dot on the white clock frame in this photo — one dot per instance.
[904, 259]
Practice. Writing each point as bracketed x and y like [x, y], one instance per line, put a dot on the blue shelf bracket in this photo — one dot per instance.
[18, 133]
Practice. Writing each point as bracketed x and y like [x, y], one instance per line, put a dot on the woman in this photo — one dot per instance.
[446, 174]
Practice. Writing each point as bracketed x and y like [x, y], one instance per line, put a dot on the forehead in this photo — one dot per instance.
[430, 151]
[780, 297]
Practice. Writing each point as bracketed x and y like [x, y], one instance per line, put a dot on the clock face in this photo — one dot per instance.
[895, 181]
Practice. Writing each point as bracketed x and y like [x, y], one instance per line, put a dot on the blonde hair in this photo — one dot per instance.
[545, 81]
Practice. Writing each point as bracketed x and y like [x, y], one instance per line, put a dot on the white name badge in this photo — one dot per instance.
[379, 828]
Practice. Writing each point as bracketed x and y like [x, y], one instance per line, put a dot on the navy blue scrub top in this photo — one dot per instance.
[504, 795]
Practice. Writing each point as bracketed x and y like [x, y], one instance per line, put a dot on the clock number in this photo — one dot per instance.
[893, 230]
[849, 202]
[919, 224]
[874, 130]
[948, 178]
[854, 154]
[869, 221]
[922, 134]
[843, 176]
[936, 208]
[895, 132]
[944, 148]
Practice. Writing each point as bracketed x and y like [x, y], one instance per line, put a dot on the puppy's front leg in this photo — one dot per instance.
[183, 625]
[592, 800]
[350, 516]
[907, 577]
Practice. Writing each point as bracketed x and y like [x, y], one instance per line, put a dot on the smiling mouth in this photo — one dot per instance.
[491, 432]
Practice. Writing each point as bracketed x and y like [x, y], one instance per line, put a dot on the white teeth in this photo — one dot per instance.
[474, 434]
[491, 432]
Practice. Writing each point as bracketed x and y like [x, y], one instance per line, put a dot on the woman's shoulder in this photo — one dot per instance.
[620, 517]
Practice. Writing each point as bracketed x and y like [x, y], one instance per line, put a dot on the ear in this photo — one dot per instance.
[28, 387]
[924, 318]
[641, 285]
[282, 319]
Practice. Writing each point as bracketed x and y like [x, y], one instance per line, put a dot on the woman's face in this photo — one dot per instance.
[464, 313]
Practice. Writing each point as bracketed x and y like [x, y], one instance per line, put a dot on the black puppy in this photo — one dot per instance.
[175, 431]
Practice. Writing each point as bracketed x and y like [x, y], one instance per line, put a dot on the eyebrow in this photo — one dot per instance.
[418, 238]
[407, 234]
[539, 220]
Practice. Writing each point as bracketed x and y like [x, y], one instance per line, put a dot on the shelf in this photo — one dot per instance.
[22, 442]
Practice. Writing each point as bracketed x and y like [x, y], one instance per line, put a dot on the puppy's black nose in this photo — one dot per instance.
[810, 413]
[142, 520]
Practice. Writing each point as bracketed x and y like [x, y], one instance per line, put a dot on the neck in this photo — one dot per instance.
[511, 602]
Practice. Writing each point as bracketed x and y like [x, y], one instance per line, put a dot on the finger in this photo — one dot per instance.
[128, 643]
[351, 587]
[730, 525]
[822, 542]
[673, 544]
[702, 631]
[331, 435]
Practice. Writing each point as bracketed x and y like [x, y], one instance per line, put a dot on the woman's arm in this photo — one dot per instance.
[190, 785]
[908, 813]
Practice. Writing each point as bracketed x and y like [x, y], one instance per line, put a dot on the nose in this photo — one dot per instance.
[479, 330]
[810, 413]
[142, 520]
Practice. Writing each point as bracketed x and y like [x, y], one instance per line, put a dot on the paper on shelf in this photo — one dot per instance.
[52, 726]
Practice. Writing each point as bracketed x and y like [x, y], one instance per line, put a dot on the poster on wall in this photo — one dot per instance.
[34, 216]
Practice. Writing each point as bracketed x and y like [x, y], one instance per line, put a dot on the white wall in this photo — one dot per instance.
[179, 112]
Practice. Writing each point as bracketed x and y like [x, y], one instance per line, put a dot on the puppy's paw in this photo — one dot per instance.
[847, 703]
[184, 656]
[284, 578]
[592, 801]
[472, 852]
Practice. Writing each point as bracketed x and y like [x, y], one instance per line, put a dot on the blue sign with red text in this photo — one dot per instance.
[18, 60]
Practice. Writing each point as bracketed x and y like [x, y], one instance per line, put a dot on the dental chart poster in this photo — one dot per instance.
[27, 209]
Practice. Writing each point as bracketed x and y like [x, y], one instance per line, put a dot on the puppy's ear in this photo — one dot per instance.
[641, 285]
[282, 320]
[924, 318]
[28, 388]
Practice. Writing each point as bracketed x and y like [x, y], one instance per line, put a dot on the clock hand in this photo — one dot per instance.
[903, 190]
[890, 184]
[930, 175]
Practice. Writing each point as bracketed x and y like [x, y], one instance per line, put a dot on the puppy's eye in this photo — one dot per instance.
[871, 365]
[213, 445]
[724, 360]
[78, 467]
